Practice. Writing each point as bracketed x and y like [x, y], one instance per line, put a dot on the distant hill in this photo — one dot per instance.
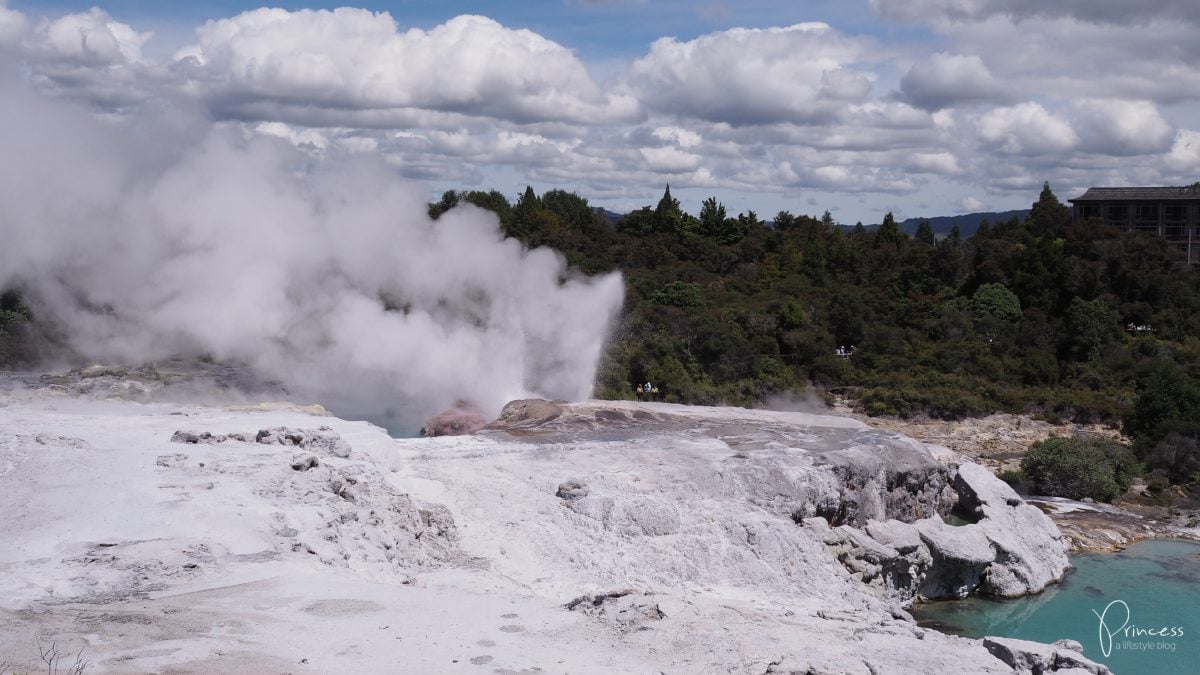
[967, 223]
[610, 217]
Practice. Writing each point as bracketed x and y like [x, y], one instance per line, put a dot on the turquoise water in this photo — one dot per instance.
[1158, 583]
[396, 426]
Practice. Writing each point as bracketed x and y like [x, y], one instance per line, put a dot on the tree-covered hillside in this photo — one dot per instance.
[1025, 315]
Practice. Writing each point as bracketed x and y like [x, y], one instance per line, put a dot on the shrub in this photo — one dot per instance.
[994, 302]
[1177, 453]
[878, 409]
[679, 294]
[1012, 477]
[952, 404]
[886, 401]
[1157, 483]
[792, 316]
[1167, 395]
[16, 341]
[1091, 325]
[1079, 467]
[13, 312]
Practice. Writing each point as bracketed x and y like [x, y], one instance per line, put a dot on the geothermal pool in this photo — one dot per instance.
[1149, 596]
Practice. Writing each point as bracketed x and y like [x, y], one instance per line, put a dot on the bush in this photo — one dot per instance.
[1177, 453]
[884, 401]
[951, 404]
[16, 343]
[679, 294]
[1157, 483]
[1167, 394]
[1012, 477]
[995, 303]
[13, 313]
[792, 316]
[1079, 467]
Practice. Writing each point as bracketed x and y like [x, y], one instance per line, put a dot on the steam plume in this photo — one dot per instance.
[149, 238]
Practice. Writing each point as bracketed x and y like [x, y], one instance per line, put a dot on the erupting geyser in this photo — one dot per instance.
[147, 238]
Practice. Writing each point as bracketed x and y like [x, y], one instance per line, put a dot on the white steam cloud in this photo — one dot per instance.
[153, 238]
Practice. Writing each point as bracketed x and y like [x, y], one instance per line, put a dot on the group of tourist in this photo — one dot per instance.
[645, 392]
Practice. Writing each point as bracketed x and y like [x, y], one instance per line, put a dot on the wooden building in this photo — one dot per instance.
[1170, 212]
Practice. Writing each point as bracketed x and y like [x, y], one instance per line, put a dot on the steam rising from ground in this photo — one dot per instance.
[147, 239]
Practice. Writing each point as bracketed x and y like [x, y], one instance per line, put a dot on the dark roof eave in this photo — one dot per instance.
[1133, 194]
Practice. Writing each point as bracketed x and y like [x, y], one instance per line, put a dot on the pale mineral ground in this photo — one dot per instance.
[597, 537]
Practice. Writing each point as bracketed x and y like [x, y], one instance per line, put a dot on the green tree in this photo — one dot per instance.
[736, 229]
[1048, 216]
[847, 319]
[924, 233]
[1177, 453]
[570, 207]
[1091, 325]
[1166, 395]
[13, 312]
[528, 202]
[678, 294]
[791, 316]
[449, 200]
[639, 223]
[667, 215]
[17, 345]
[889, 233]
[1079, 467]
[493, 201]
[955, 236]
[712, 217]
[995, 304]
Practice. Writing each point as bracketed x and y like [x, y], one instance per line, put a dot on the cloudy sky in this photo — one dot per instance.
[923, 107]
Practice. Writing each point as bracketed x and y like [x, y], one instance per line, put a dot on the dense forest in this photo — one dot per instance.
[1040, 315]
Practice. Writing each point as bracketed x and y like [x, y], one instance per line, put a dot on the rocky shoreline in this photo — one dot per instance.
[1000, 441]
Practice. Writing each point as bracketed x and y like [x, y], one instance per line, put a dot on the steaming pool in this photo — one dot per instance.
[1149, 595]
[394, 427]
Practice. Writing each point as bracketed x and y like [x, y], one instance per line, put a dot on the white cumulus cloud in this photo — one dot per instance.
[972, 205]
[1099, 11]
[944, 80]
[12, 26]
[91, 37]
[1115, 127]
[1026, 129]
[1185, 152]
[346, 60]
[936, 162]
[796, 74]
[669, 159]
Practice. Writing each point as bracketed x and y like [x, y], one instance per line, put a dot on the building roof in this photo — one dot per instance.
[1122, 194]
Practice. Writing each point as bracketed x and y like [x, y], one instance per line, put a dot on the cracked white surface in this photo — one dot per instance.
[156, 565]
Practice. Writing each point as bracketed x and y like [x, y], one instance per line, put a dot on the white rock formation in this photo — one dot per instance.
[1035, 658]
[592, 538]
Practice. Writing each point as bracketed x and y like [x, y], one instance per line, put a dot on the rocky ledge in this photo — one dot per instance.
[999, 546]
[589, 538]
[901, 521]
